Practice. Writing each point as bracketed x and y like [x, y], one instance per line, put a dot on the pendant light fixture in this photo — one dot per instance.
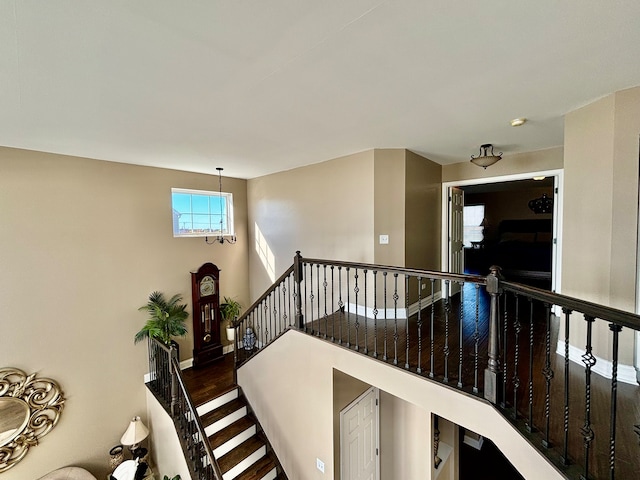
[485, 160]
[221, 238]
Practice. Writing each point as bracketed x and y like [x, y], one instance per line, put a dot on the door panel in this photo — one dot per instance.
[359, 438]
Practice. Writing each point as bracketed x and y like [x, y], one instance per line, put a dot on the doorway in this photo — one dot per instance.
[360, 437]
[518, 227]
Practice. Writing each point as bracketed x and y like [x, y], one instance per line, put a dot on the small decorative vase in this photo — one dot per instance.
[116, 456]
[231, 334]
[249, 340]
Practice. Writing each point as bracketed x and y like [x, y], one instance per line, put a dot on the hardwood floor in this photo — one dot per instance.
[427, 354]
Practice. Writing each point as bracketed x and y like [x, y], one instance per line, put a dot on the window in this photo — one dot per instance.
[198, 213]
[472, 219]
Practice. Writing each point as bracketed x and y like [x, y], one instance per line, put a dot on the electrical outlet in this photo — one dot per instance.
[320, 465]
[424, 285]
[384, 239]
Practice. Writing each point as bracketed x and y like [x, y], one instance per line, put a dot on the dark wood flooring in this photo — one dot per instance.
[426, 354]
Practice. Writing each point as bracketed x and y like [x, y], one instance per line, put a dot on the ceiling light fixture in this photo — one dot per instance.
[221, 238]
[485, 160]
[539, 178]
[517, 122]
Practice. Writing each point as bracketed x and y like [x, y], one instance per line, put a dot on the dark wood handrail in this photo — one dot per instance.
[196, 418]
[620, 317]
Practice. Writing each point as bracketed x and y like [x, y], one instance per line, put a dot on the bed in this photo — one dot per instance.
[523, 249]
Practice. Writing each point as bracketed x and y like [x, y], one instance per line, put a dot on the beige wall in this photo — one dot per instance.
[423, 221]
[290, 386]
[538, 161]
[600, 211]
[389, 206]
[324, 210]
[83, 244]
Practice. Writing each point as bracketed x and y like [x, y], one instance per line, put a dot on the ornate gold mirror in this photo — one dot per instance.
[29, 408]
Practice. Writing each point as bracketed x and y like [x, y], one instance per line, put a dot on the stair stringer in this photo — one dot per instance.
[290, 386]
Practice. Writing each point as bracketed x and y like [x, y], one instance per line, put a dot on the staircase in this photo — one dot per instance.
[237, 440]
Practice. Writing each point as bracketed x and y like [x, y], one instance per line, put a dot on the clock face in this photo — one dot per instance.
[207, 286]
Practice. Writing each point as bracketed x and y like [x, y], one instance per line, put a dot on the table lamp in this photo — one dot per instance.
[136, 432]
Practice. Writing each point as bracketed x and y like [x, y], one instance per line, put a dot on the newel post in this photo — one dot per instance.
[174, 381]
[297, 275]
[492, 378]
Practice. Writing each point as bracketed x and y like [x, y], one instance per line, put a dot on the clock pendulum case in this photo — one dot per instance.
[206, 315]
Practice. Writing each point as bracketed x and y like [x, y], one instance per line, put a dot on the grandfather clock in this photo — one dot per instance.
[206, 315]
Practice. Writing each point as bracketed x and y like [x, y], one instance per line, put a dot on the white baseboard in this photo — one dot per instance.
[626, 373]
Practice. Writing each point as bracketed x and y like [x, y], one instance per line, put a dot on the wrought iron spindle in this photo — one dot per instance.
[366, 316]
[419, 369]
[396, 297]
[476, 338]
[433, 306]
[548, 376]
[348, 309]
[589, 361]
[461, 334]
[267, 321]
[529, 426]
[406, 309]
[445, 350]
[340, 303]
[333, 305]
[565, 451]
[312, 297]
[384, 355]
[356, 289]
[305, 300]
[517, 327]
[505, 321]
[324, 288]
[375, 314]
[616, 329]
[318, 298]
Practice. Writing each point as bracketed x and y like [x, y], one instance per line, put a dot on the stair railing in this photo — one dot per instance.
[482, 335]
[167, 384]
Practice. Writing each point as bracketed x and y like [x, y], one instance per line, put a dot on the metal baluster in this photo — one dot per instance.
[384, 356]
[311, 298]
[396, 297]
[267, 321]
[366, 316]
[324, 287]
[340, 303]
[333, 305]
[503, 400]
[476, 337]
[447, 310]
[305, 299]
[461, 334]
[406, 308]
[565, 454]
[348, 309]
[517, 327]
[285, 312]
[356, 289]
[375, 314]
[589, 361]
[548, 376]
[433, 306]
[276, 317]
[318, 294]
[614, 401]
[419, 369]
[529, 426]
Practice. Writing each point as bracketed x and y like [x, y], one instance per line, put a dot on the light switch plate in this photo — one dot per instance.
[384, 239]
[320, 465]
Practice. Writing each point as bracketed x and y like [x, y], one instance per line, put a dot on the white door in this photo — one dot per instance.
[359, 459]
[456, 234]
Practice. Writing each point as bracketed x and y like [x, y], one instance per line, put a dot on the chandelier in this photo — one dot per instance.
[485, 160]
[221, 238]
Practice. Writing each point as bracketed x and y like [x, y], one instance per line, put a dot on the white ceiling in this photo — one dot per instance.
[259, 86]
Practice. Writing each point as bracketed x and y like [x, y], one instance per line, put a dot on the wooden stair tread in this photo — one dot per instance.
[222, 411]
[227, 433]
[242, 451]
[259, 469]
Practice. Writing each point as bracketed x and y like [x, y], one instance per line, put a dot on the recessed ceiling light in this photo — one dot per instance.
[516, 122]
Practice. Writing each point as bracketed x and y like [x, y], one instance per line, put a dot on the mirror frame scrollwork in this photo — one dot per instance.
[44, 400]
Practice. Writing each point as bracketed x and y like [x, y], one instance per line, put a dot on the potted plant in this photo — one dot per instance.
[166, 318]
[230, 310]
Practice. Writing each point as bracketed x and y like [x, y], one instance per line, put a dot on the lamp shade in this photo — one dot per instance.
[135, 433]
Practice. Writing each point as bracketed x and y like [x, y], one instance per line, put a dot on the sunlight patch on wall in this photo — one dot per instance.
[266, 255]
